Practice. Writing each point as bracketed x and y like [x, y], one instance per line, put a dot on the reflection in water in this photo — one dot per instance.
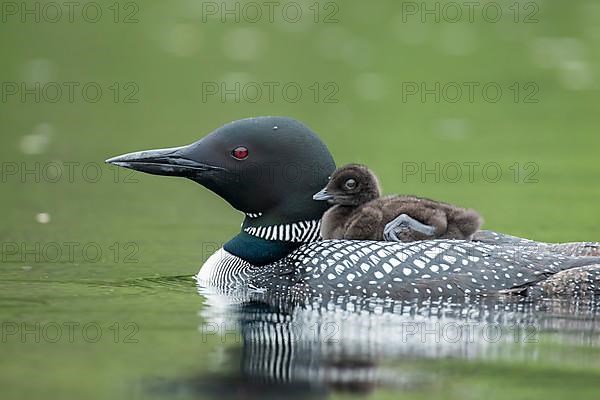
[277, 349]
[358, 346]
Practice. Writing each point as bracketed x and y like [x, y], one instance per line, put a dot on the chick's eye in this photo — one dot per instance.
[350, 184]
[240, 153]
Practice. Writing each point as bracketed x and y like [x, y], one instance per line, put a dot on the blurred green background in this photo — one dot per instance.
[354, 62]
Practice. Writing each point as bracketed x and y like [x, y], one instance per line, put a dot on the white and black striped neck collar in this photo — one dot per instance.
[295, 232]
[254, 215]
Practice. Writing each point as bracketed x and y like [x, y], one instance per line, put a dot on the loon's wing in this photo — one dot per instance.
[577, 249]
[435, 268]
[502, 239]
[579, 282]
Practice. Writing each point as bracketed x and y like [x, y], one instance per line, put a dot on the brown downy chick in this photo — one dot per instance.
[360, 213]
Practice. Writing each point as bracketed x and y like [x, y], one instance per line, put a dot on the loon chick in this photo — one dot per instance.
[360, 213]
[269, 168]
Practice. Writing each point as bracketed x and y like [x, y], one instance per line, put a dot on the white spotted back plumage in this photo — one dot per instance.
[435, 268]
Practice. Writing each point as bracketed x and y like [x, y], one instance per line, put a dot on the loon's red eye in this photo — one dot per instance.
[240, 153]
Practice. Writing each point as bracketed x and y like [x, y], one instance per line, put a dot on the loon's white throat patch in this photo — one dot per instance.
[298, 232]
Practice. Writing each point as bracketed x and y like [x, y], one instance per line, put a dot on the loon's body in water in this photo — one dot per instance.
[360, 213]
[270, 167]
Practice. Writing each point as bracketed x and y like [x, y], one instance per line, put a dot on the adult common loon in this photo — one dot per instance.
[270, 168]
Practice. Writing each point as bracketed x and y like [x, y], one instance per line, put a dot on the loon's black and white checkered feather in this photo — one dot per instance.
[436, 268]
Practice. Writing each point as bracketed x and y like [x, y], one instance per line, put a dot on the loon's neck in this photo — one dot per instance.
[269, 236]
[261, 242]
[258, 251]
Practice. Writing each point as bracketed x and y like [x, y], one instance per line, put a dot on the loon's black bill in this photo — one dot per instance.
[322, 195]
[169, 162]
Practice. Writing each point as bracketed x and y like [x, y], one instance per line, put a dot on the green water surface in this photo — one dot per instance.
[136, 240]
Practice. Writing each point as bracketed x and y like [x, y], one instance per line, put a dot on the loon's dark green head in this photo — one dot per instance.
[267, 167]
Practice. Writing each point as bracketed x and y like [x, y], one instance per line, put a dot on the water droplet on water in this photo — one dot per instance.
[575, 75]
[183, 40]
[42, 218]
[38, 141]
[39, 70]
[244, 44]
[452, 128]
